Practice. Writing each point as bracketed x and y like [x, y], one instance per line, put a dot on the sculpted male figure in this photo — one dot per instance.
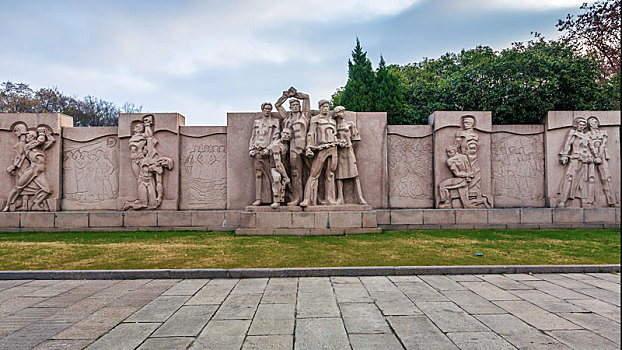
[265, 131]
[298, 122]
[321, 143]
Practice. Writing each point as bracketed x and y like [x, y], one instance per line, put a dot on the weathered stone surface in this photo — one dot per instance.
[518, 165]
[321, 333]
[172, 219]
[37, 220]
[9, 220]
[504, 216]
[536, 216]
[344, 219]
[70, 220]
[90, 168]
[273, 220]
[208, 218]
[535, 316]
[568, 215]
[479, 341]
[599, 215]
[409, 159]
[106, 219]
[203, 174]
[187, 321]
[471, 216]
[222, 334]
[439, 216]
[418, 332]
[558, 128]
[125, 336]
[406, 217]
[140, 219]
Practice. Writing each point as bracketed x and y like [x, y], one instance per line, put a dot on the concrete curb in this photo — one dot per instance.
[302, 272]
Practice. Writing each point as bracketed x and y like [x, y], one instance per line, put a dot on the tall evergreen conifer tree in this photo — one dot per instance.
[358, 94]
[388, 95]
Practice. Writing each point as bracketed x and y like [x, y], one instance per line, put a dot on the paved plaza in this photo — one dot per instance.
[540, 311]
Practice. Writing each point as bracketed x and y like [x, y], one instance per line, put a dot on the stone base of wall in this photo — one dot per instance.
[304, 222]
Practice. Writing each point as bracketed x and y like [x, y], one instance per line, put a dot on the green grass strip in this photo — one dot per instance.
[191, 249]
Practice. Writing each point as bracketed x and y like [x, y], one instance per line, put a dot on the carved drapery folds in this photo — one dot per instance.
[148, 166]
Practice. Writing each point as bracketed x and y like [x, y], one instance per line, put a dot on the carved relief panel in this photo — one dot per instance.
[148, 161]
[90, 168]
[410, 166]
[583, 159]
[518, 165]
[203, 167]
[30, 173]
[462, 164]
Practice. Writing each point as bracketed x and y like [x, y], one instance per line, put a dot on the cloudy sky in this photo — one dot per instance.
[205, 58]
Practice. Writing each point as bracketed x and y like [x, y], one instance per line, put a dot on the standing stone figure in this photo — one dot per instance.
[30, 181]
[298, 122]
[280, 180]
[463, 175]
[598, 147]
[265, 131]
[578, 159]
[148, 166]
[348, 136]
[321, 144]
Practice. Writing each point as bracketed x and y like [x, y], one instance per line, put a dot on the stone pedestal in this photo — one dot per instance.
[166, 131]
[448, 128]
[50, 161]
[559, 125]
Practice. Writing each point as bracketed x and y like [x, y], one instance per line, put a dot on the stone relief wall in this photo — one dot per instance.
[583, 159]
[572, 161]
[203, 167]
[409, 157]
[90, 168]
[518, 165]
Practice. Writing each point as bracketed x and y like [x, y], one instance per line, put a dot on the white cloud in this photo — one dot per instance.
[535, 5]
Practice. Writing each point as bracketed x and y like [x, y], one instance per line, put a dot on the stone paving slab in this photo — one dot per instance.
[473, 311]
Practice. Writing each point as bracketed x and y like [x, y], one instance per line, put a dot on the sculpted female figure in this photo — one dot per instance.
[598, 146]
[347, 135]
[32, 181]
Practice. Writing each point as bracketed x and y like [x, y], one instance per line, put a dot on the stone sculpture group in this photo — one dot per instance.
[585, 148]
[28, 169]
[319, 147]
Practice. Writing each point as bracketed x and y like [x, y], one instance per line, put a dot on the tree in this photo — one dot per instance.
[596, 31]
[519, 84]
[359, 92]
[90, 111]
[388, 95]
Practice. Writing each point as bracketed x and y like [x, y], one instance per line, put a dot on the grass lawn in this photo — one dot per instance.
[167, 249]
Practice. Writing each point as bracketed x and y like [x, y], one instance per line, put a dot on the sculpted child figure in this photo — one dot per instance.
[298, 122]
[321, 144]
[265, 131]
[348, 136]
[280, 180]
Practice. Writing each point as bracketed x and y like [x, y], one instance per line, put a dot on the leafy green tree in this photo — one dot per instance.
[360, 90]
